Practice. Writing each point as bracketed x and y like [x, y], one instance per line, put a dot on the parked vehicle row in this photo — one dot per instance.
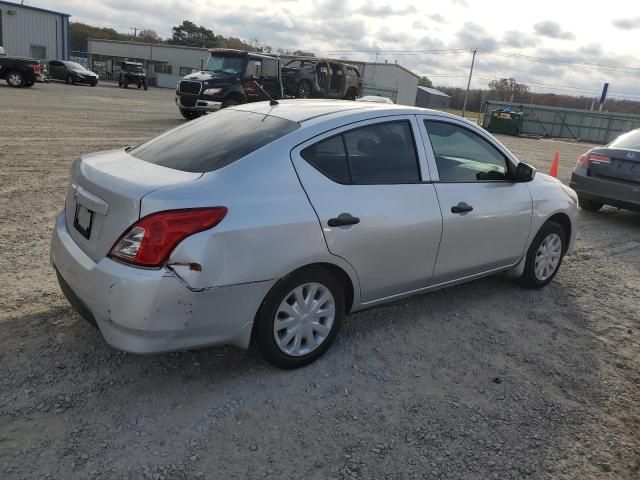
[272, 222]
[18, 72]
[232, 77]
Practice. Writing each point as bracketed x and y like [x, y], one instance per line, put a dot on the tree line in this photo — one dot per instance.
[186, 34]
[509, 90]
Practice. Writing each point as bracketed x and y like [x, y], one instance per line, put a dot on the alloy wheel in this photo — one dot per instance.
[548, 257]
[14, 79]
[304, 319]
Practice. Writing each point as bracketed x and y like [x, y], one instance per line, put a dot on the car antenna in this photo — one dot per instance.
[272, 101]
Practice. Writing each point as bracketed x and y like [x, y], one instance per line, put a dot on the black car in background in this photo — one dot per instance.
[610, 175]
[132, 73]
[321, 78]
[72, 73]
[230, 77]
[17, 71]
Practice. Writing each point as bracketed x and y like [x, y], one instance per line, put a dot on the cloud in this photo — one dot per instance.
[462, 3]
[386, 11]
[472, 35]
[518, 39]
[552, 29]
[436, 17]
[627, 23]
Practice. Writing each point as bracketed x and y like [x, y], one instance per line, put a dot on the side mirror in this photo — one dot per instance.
[524, 172]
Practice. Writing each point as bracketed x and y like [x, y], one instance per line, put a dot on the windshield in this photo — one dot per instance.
[628, 141]
[225, 64]
[213, 141]
[74, 66]
[133, 68]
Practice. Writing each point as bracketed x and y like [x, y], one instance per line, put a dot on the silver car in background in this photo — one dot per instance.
[271, 223]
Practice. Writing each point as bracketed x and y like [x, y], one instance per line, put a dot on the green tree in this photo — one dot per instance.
[80, 32]
[425, 82]
[508, 89]
[192, 35]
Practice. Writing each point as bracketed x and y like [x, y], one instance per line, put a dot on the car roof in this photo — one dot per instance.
[300, 111]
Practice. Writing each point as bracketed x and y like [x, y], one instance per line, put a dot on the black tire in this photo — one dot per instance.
[589, 205]
[304, 89]
[263, 334]
[29, 84]
[15, 79]
[351, 94]
[529, 279]
[93, 84]
[139, 85]
[229, 102]
[145, 85]
[125, 83]
[71, 80]
[190, 114]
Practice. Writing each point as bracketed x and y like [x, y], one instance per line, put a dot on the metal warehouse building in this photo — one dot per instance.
[432, 98]
[27, 31]
[166, 64]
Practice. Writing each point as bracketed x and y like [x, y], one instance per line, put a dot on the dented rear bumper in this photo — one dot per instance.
[152, 310]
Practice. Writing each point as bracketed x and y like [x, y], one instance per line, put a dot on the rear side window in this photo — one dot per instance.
[628, 141]
[213, 141]
[376, 154]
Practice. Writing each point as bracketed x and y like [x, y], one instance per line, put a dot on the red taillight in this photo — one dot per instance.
[249, 86]
[36, 68]
[586, 159]
[150, 241]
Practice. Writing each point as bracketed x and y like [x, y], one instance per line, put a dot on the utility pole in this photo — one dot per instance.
[135, 31]
[466, 94]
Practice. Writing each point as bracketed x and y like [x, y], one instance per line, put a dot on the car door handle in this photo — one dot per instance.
[343, 219]
[462, 207]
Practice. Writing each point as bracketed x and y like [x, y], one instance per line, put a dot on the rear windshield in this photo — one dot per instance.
[628, 141]
[214, 141]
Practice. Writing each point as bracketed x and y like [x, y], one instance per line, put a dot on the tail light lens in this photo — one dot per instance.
[588, 158]
[150, 241]
[36, 68]
[249, 86]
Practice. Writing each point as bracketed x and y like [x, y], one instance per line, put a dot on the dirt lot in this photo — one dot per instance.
[480, 381]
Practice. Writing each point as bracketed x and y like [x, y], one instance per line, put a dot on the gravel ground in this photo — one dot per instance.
[484, 380]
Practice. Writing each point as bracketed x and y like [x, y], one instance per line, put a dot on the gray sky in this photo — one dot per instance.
[569, 31]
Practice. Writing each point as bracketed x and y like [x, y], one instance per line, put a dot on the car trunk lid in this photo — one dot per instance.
[104, 194]
[623, 165]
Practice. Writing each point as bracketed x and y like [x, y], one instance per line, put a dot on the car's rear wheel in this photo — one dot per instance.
[15, 79]
[190, 114]
[544, 256]
[300, 318]
[351, 94]
[304, 89]
[589, 205]
[71, 80]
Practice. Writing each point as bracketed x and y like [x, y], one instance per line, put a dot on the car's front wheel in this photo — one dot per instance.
[544, 256]
[589, 205]
[190, 114]
[304, 89]
[300, 318]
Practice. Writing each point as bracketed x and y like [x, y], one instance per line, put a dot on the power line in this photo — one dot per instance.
[550, 61]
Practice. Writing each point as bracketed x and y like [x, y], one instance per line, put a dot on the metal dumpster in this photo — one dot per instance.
[505, 121]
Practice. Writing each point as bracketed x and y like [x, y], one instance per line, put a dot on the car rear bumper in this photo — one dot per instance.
[198, 105]
[619, 194]
[152, 310]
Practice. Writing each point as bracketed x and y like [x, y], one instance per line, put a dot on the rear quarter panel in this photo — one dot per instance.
[269, 231]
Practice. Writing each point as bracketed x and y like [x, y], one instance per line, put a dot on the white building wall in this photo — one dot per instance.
[27, 27]
[175, 56]
[393, 77]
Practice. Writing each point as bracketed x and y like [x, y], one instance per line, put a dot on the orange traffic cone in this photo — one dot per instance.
[554, 166]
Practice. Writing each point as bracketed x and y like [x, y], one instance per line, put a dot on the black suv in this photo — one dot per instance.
[132, 73]
[230, 77]
[18, 71]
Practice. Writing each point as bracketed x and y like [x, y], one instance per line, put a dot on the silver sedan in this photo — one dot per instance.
[271, 222]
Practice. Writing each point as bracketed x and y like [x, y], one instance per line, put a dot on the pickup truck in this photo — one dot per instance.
[17, 71]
